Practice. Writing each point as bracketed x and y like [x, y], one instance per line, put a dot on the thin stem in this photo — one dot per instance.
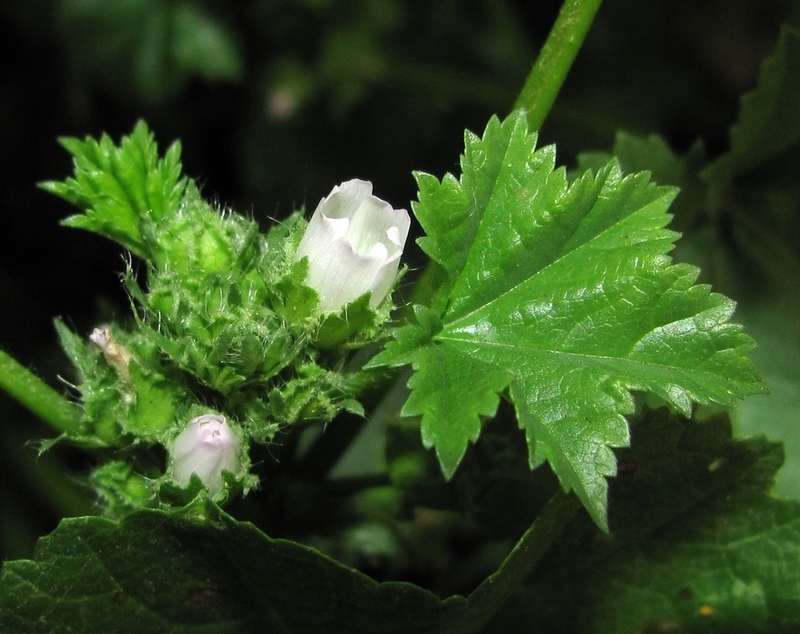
[537, 97]
[490, 597]
[555, 59]
[37, 396]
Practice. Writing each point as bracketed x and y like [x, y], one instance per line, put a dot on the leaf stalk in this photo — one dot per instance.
[555, 59]
[493, 593]
[37, 396]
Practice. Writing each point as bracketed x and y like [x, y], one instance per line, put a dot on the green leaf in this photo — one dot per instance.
[118, 187]
[768, 123]
[148, 49]
[653, 154]
[202, 571]
[337, 328]
[470, 229]
[697, 543]
[452, 391]
[746, 239]
[566, 290]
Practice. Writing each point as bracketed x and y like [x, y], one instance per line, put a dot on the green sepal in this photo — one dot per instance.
[296, 303]
[142, 402]
[121, 490]
[356, 317]
[99, 385]
[172, 496]
[223, 336]
[314, 394]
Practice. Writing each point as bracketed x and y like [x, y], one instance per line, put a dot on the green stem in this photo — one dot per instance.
[37, 396]
[490, 597]
[555, 59]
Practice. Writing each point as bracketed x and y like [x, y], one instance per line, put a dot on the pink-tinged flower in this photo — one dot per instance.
[206, 447]
[353, 243]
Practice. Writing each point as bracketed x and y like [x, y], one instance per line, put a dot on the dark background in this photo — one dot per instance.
[276, 102]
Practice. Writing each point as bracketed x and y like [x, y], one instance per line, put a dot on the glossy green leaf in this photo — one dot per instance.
[566, 290]
[747, 239]
[199, 572]
[452, 391]
[504, 220]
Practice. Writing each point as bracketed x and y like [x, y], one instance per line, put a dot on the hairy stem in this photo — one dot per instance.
[555, 59]
[37, 396]
[490, 597]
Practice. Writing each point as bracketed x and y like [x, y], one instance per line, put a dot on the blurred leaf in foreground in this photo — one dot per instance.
[93, 574]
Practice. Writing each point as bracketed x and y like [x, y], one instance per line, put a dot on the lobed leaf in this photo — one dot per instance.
[451, 392]
[118, 187]
[565, 295]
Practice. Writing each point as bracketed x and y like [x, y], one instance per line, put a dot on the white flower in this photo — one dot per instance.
[206, 447]
[353, 242]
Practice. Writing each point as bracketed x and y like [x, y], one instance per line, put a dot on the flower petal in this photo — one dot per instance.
[340, 275]
[206, 447]
[344, 199]
[321, 231]
[353, 243]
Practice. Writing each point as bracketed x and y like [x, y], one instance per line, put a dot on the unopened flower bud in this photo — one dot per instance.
[206, 447]
[353, 243]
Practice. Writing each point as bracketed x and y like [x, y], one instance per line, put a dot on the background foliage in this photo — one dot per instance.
[275, 101]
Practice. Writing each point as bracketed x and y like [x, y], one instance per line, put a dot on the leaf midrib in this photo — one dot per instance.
[578, 356]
